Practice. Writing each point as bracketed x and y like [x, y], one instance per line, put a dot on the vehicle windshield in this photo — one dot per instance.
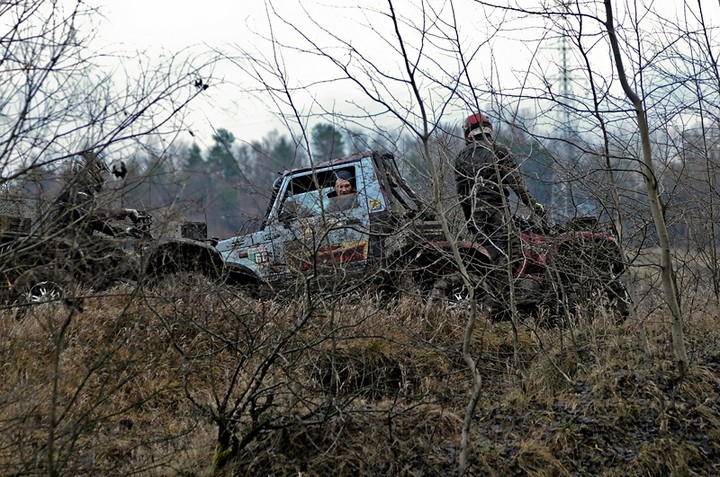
[307, 195]
[305, 204]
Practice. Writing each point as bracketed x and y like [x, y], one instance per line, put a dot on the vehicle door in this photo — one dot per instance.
[325, 234]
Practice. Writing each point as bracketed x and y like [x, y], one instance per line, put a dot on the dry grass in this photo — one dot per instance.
[136, 382]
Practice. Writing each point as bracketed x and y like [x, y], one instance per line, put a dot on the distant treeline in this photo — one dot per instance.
[228, 183]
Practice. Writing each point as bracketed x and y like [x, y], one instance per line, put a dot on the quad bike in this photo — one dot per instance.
[556, 270]
[43, 267]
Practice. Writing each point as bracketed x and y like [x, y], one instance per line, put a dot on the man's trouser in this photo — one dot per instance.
[486, 222]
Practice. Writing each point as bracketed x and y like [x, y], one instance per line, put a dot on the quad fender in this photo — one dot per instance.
[435, 258]
[187, 255]
[475, 256]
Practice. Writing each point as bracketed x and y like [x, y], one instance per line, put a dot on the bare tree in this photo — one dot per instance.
[668, 274]
[582, 115]
[61, 97]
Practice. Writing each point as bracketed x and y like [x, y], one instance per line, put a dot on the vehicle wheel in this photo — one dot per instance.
[407, 284]
[612, 297]
[619, 300]
[452, 290]
[44, 292]
[41, 285]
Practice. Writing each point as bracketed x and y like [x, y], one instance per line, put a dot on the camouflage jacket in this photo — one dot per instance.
[492, 169]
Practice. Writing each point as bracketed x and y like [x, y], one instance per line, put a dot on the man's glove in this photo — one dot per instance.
[132, 213]
[539, 209]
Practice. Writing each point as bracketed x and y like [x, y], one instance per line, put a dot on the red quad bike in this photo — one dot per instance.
[557, 271]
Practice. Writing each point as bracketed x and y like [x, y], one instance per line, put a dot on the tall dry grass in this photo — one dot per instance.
[138, 382]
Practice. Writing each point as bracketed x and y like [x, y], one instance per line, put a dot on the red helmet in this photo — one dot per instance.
[476, 125]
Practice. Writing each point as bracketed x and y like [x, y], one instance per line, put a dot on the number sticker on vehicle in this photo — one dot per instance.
[259, 255]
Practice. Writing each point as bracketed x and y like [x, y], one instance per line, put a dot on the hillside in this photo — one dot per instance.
[147, 382]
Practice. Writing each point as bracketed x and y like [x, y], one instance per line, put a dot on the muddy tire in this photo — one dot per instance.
[408, 285]
[42, 285]
[452, 290]
[618, 300]
[610, 297]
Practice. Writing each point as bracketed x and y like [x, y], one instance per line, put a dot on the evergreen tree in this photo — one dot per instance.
[193, 158]
[283, 154]
[220, 157]
[327, 142]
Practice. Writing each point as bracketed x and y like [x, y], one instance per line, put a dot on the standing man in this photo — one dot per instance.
[77, 209]
[484, 173]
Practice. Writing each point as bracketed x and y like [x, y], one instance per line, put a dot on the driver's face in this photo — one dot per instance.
[343, 187]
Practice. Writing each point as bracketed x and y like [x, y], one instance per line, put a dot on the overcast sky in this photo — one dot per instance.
[171, 25]
[158, 26]
[168, 25]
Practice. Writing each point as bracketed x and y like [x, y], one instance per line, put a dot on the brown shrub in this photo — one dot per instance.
[139, 380]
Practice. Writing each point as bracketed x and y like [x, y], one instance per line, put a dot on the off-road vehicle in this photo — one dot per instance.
[382, 235]
[385, 236]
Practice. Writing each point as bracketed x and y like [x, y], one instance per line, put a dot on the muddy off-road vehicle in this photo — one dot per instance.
[385, 236]
[381, 235]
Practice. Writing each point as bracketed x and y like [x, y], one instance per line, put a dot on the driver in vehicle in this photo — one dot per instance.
[343, 195]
